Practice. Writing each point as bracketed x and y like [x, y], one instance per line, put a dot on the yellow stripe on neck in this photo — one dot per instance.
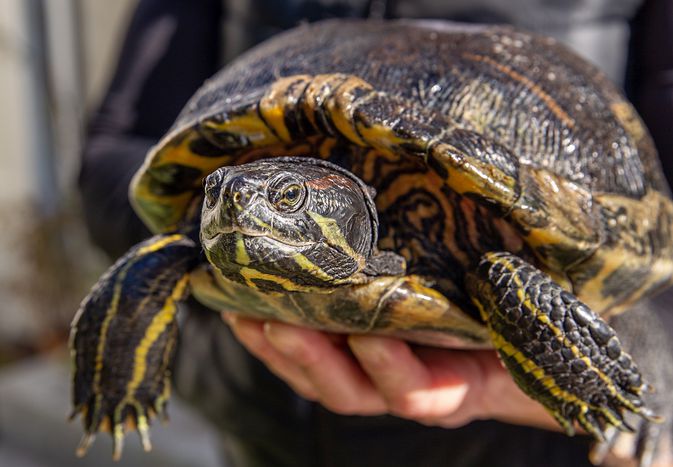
[330, 229]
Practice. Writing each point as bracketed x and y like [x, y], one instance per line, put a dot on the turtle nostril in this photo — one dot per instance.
[212, 187]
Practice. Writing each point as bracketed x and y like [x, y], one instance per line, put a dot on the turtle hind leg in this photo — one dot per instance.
[123, 336]
[559, 351]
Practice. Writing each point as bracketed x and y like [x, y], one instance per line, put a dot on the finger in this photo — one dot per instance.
[340, 384]
[411, 388]
[491, 392]
[504, 400]
[459, 381]
[250, 333]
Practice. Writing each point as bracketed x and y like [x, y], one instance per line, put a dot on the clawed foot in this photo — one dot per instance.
[558, 350]
[124, 417]
[603, 414]
[646, 446]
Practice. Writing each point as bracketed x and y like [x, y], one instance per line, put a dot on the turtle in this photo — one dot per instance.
[455, 185]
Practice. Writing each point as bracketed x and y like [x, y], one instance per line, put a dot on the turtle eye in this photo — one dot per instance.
[212, 187]
[292, 194]
[289, 198]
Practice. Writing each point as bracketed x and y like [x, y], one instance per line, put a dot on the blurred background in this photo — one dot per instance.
[56, 59]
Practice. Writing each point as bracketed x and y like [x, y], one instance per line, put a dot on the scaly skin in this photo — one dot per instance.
[559, 351]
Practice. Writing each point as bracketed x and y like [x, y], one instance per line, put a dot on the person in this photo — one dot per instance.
[358, 381]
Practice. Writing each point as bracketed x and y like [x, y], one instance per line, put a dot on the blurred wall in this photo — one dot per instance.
[56, 57]
[103, 27]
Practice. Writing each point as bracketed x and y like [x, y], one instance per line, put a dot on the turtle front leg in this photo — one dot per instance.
[559, 352]
[122, 340]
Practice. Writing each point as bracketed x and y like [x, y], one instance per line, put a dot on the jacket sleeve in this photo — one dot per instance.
[170, 48]
[651, 67]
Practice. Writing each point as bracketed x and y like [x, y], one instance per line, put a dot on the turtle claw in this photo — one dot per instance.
[122, 418]
[84, 444]
[600, 450]
[144, 433]
[140, 424]
[620, 447]
[117, 442]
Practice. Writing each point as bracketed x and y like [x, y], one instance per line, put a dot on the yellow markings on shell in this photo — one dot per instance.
[524, 299]
[249, 125]
[536, 89]
[576, 227]
[640, 221]
[472, 176]
[159, 213]
[273, 114]
[163, 212]
[382, 138]
[180, 152]
[341, 115]
[368, 169]
[326, 147]
[470, 215]
[314, 94]
[283, 94]
[330, 229]
[431, 182]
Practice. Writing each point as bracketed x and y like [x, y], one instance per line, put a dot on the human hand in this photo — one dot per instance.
[372, 375]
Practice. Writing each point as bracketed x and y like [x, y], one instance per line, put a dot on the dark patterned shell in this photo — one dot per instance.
[545, 129]
[527, 92]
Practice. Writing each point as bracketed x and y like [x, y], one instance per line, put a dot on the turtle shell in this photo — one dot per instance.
[540, 154]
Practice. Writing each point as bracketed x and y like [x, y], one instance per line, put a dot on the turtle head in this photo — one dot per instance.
[290, 224]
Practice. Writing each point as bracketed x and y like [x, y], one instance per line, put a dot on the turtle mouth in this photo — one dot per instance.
[213, 238]
[233, 248]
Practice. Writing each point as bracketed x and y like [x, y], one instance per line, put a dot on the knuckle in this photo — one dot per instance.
[308, 360]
